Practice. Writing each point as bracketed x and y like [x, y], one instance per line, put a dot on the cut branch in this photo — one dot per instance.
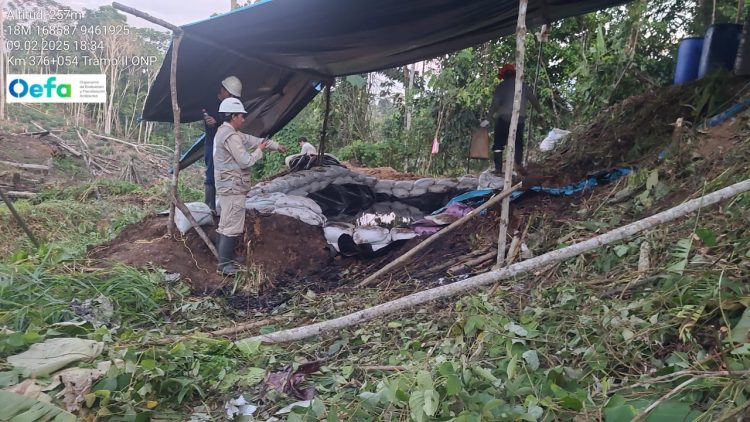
[422, 246]
[414, 301]
[25, 166]
[185, 211]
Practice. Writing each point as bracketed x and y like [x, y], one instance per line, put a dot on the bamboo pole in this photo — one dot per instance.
[430, 240]
[510, 149]
[18, 218]
[415, 300]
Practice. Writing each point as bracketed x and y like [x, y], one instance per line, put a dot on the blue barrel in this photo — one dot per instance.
[688, 58]
[719, 47]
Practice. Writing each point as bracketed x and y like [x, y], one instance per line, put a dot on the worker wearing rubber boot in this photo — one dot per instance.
[231, 86]
[232, 163]
[502, 109]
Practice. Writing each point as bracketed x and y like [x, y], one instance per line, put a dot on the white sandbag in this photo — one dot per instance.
[402, 233]
[371, 234]
[423, 183]
[417, 191]
[488, 180]
[302, 214]
[449, 183]
[370, 181]
[400, 193]
[384, 186]
[438, 189]
[200, 212]
[298, 192]
[554, 137]
[404, 184]
[293, 201]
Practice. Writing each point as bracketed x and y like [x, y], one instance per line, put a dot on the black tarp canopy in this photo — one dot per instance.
[283, 49]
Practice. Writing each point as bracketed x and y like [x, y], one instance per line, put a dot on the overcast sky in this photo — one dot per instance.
[178, 12]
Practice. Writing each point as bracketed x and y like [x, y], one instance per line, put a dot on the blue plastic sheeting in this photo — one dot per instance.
[724, 115]
[479, 196]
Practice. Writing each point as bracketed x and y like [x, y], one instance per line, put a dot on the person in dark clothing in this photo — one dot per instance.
[502, 109]
[230, 87]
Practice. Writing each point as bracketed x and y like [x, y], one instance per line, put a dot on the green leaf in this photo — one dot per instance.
[416, 405]
[741, 331]
[19, 408]
[623, 413]
[512, 366]
[356, 80]
[672, 411]
[572, 403]
[531, 358]
[8, 378]
[621, 250]
[254, 376]
[15, 340]
[431, 402]
[247, 347]
[679, 255]
[424, 380]
[707, 237]
[653, 180]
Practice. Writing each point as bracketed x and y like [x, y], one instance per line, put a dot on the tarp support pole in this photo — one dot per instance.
[510, 149]
[177, 34]
[324, 130]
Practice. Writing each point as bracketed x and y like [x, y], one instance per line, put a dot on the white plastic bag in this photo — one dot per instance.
[554, 137]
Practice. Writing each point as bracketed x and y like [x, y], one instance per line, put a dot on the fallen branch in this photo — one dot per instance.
[132, 145]
[25, 166]
[18, 218]
[58, 140]
[684, 373]
[642, 416]
[430, 240]
[19, 194]
[462, 266]
[186, 212]
[413, 301]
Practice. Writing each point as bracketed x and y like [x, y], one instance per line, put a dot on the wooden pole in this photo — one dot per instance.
[324, 130]
[18, 218]
[416, 300]
[430, 240]
[176, 113]
[146, 16]
[510, 149]
[176, 39]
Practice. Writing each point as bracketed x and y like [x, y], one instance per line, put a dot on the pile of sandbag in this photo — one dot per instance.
[413, 188]
[303, 209]
[304, 182]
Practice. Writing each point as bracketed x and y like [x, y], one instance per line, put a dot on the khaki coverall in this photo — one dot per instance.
[232, 163]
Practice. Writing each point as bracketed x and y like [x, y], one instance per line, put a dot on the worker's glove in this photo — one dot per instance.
[485, 123]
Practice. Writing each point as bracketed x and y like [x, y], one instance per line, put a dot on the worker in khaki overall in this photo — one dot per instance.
[232, 163]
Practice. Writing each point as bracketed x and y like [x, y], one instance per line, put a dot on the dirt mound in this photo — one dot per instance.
[634, 131]
[29, 150]
[383, 172]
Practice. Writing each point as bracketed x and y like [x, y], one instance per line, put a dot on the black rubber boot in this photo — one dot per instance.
[497, 156]
[210, 194]
[226, 255]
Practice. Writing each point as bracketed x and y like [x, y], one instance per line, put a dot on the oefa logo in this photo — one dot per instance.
[19, 88]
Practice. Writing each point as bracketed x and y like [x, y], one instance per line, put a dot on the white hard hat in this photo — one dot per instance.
[231, 105]
[233, 85]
